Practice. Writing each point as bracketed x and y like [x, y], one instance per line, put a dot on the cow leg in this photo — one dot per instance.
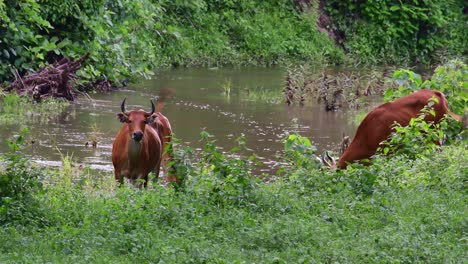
[119, 177]
[145, 183]
[156, 171]
[141, 180]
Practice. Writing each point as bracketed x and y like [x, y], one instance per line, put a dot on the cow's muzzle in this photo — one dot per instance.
[137, 136]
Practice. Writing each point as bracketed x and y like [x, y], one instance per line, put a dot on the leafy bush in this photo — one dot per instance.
[128, 39]
[20, 183]
[450, 78]
[300, 152]
[119, 36]
[217, 177]
[395, 31]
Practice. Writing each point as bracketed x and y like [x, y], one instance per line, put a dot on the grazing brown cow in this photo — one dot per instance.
[377, 125]
[137, 148]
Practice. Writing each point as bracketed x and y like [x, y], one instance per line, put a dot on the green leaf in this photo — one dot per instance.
[7, 55]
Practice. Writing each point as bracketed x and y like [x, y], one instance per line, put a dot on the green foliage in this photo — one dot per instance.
[23, 37]
[300, 151]
[246, 32]
[128, 39]
[303, 168]
[118, 35]
[419, 137]
[20, 183]
[451, 79]
[395, 31]
[224, 181]
[397, 210]
[407, 82]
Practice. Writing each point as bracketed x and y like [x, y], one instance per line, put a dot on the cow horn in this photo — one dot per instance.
[331, 163]
[324, 161]
[122, 106]
[152, 107]
[330, 158]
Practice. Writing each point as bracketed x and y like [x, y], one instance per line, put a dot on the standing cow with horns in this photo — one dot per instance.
[137, 149]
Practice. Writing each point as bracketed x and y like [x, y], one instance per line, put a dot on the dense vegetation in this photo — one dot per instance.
[129, 39]
[396, 31]
[407, 207]
[397, 210]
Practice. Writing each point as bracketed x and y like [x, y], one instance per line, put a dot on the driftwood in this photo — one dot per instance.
[55, 80]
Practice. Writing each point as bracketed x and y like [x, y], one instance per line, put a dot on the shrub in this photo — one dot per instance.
[450, 78]
[20, 183]
[217, 178]
[129, 39]
[118, 35]
[395, 31]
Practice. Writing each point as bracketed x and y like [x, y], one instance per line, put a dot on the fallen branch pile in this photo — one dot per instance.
[55, 80]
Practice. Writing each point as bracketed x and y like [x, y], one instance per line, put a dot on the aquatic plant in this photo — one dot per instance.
[22, 110]
[227, 87]
[334, 89]
[262, 94]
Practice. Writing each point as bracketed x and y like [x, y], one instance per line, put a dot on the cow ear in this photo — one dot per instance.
[151, 119]
[122, 118]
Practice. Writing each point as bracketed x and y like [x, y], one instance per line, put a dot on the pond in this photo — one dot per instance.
[197, 102]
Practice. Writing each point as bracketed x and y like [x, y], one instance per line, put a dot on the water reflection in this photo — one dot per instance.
[195, 101]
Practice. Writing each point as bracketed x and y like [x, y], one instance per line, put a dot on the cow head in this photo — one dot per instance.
[136, 120]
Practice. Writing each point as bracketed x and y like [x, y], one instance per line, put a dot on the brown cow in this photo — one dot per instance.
[137, 148]
[163, 127]
[377, 125]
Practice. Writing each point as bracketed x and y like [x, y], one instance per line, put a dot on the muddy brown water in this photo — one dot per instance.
[197, 103]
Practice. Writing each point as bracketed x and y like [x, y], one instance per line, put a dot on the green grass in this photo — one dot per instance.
[414, 211]
[15, 109]
[262, 94]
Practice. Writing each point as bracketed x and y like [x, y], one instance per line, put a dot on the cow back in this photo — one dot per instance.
[377, 125]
